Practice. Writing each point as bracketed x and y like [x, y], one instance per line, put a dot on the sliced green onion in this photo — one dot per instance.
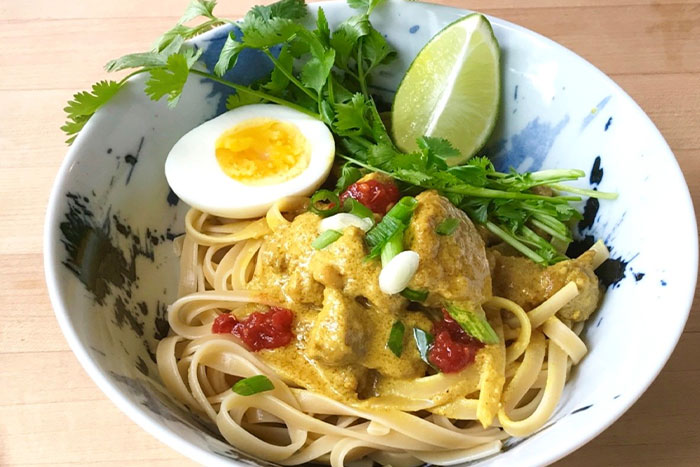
[325, 239]
[395, 342]
[447, 227]
[395, 222]
[403, 210]
[328, 198]
[392, 248]
[253, 385]
[423, 341]
[473, 324]
[415, 295]
[381, 233]
[354, 207]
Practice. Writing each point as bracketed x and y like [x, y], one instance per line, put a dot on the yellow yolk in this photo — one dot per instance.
[262, 151]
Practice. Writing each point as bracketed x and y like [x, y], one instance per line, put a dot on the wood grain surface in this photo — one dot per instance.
[51, 413]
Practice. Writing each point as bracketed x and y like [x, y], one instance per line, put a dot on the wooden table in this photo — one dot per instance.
[51, 413]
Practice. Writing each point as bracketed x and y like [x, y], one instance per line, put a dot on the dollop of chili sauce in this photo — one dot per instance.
[377, 196]
[453, 349]
[268, 330]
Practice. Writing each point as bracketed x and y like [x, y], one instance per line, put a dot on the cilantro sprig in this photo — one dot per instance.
[326, 73]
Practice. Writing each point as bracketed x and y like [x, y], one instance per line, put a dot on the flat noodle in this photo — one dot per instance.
[443, 419]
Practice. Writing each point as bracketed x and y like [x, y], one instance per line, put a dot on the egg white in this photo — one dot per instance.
[194, 173]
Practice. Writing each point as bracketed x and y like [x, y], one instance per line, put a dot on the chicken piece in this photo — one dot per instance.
[338, 332]
[528, 284]
[283, 263]
[452, 267]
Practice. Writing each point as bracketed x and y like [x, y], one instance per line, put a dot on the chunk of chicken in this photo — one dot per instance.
[452, 267]
[528, 284]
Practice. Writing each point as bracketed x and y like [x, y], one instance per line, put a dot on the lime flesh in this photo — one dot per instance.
[451, 90]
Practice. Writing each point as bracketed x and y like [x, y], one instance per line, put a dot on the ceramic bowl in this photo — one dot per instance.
[111, 269]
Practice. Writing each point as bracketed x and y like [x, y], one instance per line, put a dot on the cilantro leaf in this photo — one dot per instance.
[348, 176]
[278, 79]
[262, 34]
[152, 58]
[198, 8]
[170, 79]
[346, 38]
[323, 31]
[314, 73]
[376, 50]
[288, 9]
[85, 104]
[367, 5]
[351, 117]
[229, 55]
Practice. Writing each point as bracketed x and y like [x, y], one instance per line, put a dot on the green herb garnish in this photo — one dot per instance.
[354, 207]
[327, 74]
[395, 342]
[392, 247]
[392, 226]
[253, 385]
[423, 341]
[325, 239]
[415, 295]
[447, 227]
[473, 324]
[330, 204]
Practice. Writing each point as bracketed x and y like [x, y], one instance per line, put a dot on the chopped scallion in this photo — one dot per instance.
[253, 385]
[415, 295]
[473, 324]
[423, 341]
[394, 223]
[329, 203]
[392, 248]
[325, 239]
[395, 342]
[447, 227]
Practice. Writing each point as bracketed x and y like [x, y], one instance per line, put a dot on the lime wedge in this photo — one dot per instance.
[451, 90]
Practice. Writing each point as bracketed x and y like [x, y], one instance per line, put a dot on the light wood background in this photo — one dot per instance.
[51, 413]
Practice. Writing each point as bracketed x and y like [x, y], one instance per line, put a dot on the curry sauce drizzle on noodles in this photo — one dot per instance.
[339, 394]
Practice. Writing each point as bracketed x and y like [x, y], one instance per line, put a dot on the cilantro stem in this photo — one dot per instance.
[256, 93]
[583, 191]
[557, 174]
[360, 74]
[289, 75]
[553, 232]
[478, 192]
[515, 243]
[132, 74]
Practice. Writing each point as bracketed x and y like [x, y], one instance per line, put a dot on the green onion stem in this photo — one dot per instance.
[392, 248]
[325, 239]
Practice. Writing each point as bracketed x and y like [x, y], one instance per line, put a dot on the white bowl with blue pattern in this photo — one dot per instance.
[111, 269]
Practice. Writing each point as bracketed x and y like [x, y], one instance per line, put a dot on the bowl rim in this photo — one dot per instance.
[193, 451]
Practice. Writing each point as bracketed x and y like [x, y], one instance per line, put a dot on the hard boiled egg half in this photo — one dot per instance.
[239, 163]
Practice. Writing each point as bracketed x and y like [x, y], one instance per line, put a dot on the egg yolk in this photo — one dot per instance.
[262, 151]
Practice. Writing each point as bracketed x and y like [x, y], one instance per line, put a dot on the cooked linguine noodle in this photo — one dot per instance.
[512, 388]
